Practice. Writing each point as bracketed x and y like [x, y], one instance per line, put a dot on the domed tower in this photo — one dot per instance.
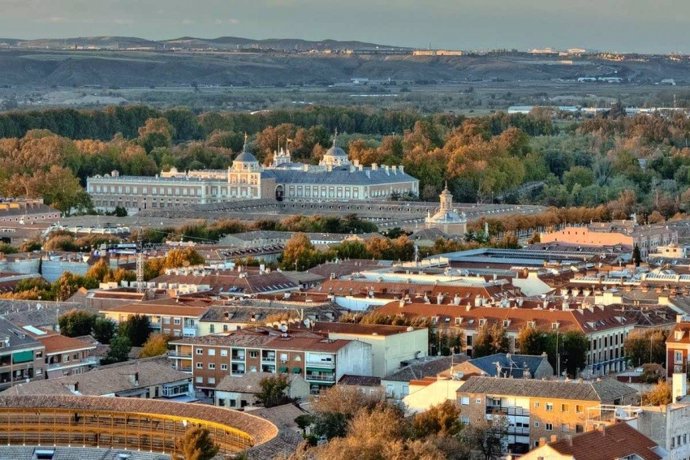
[335, 156]
[446, 218]
[245, 161]
[446, 201]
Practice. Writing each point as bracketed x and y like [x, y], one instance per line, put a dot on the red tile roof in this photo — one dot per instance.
[615, 441]
[59, 344]
[586, 320]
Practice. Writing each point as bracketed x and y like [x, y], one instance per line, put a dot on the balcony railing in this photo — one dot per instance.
[507, 410]
[268, 359]
[320, 378]
[90, 361]
[324, 365]
[238, 357]
[178, 354]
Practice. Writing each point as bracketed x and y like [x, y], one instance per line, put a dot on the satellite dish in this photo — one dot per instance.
[307, 323]
[283, 328]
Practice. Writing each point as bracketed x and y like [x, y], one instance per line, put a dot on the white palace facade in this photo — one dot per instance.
[334, 179]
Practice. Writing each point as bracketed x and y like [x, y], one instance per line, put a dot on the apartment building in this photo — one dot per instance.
[626, 233]
[176, 317]
[21, 356]
[66, 355]
[320, 361]
[539, 409]
[678, 348]
[606, 327]
[391, 346]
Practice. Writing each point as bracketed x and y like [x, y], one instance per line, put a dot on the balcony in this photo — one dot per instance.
[90, 361]
[189, 332]
[238, 357]
[330, 378]
[507, 410]
[180, 355]
[268, 358]
[321, 364]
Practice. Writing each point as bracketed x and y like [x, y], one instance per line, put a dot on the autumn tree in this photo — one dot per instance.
[486, 437]
[442, 419]
[300, 254]
[156, 132]
[659, 395]
[99, 271]
[197, 444]
[155, 345]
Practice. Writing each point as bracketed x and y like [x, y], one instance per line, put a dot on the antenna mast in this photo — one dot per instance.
[140, 263]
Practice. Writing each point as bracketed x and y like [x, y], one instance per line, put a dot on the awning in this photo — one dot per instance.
[296, 370]
[320, 371]
[283, 370]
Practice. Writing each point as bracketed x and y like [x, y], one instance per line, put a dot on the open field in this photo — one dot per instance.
[248, 81]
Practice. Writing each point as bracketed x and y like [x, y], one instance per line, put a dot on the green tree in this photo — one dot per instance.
[104, 329]
[197, 444]
[573, 351]
[646, 346]
[274, 390]
[489, 340]
[60, 189]
[120, 347]
[76, 323]
[137, 329]
[637, 256]
[155, 345]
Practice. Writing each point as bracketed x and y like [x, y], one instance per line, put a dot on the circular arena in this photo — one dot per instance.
[124, 423]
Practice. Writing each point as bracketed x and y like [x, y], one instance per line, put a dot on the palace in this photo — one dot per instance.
[334, 179]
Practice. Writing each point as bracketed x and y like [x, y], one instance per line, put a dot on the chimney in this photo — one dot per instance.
[134, 379]
[679, 318]
[542, 442]
[554, 438]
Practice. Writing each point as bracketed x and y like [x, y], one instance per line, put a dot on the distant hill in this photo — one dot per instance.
[112, 61]
[220, 43]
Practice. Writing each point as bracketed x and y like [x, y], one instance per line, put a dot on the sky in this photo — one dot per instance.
[615, 25]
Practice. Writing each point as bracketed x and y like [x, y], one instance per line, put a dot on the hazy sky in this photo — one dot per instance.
[621, 25]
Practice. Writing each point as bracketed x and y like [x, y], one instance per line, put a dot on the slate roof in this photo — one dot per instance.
[614, 441]
[338, 176]
[360, 380]
[513, 363]
[605, 390]
[17, 339]
[425, 367]
[115, 378]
